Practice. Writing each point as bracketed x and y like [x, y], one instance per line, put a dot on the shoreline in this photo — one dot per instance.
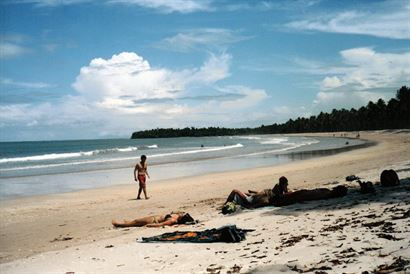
[87, 179]
[85, 216]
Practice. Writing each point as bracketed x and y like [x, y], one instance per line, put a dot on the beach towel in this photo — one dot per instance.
[227, 234]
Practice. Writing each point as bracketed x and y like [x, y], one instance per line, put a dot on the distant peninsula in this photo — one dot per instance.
[375, 116]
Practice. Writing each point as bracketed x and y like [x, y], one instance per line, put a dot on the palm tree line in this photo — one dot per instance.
[374, 116]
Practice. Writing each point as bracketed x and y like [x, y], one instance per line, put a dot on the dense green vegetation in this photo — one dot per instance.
[379, 115]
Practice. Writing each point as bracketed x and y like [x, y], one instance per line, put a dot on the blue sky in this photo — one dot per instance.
[74, 69]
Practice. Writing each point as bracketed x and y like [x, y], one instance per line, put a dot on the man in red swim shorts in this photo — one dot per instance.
[140, 175]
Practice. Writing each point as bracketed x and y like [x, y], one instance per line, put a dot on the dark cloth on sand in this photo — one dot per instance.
[228, 234]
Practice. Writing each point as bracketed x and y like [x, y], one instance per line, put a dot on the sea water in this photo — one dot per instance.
[33, 168]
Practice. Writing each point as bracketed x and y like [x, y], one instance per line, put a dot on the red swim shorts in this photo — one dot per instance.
[141, 180]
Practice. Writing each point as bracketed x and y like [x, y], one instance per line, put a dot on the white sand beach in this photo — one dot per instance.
[72, 232]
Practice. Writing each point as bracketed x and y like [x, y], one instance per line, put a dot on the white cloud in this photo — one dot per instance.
[250, 98]
[11, 45]
[317, 68]
[126, 77]
[364, 75]
[10, 50]
[214, 69]
[338, 99]
[370, 69]
[206, 37]
[331, 82]
[388, 19]
[169, 6]
[51, 3]
[360, 69]
[30, 85]
[270, 5]
[125, 93]
[165, 6]
[122, 75]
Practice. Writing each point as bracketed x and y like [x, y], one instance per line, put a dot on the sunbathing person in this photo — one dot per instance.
[255, 199]
[157, 221]
[308, 195]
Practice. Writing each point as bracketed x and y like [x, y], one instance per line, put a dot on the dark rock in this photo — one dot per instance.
[388, 237]
[398, 265]
[351, 178]
[374, 224]
[293, 240]
[366, 187]
[404, 216]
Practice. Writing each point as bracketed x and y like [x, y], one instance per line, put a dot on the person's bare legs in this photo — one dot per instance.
[145, 192]
[236, 192]
[136, 223]
[139, 193]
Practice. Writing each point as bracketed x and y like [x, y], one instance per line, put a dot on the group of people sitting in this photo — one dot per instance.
[279, 195]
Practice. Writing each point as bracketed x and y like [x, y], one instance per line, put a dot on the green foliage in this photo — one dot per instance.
[395, 114]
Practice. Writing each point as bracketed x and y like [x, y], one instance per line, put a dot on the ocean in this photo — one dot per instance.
[44, 167]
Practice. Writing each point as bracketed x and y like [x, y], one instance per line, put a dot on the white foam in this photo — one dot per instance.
[249, 137]
[290, 147]
[153, 146]
[127, 149]
[198, 150]
[273, 141]
[55, 156]
[51, 156]
[123, 158]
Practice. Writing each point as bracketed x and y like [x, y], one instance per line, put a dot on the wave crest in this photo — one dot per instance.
[56, 156]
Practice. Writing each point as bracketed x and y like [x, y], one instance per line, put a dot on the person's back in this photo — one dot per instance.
[142, 168]
[262, 198]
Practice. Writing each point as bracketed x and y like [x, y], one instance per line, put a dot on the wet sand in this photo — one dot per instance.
[73, 232]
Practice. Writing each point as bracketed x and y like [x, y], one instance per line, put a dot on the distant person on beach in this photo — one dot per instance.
[140, 175]
[255, 199]
[157, 220]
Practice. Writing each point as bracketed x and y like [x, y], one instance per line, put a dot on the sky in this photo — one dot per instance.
[84, 69]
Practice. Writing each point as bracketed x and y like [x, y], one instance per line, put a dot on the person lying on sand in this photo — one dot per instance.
[157, 220]
[255, 199]
[304, 195]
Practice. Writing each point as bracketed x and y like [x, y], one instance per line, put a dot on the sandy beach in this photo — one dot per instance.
[72, 232]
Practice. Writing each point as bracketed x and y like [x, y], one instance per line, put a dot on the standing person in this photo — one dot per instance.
[141, 170]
